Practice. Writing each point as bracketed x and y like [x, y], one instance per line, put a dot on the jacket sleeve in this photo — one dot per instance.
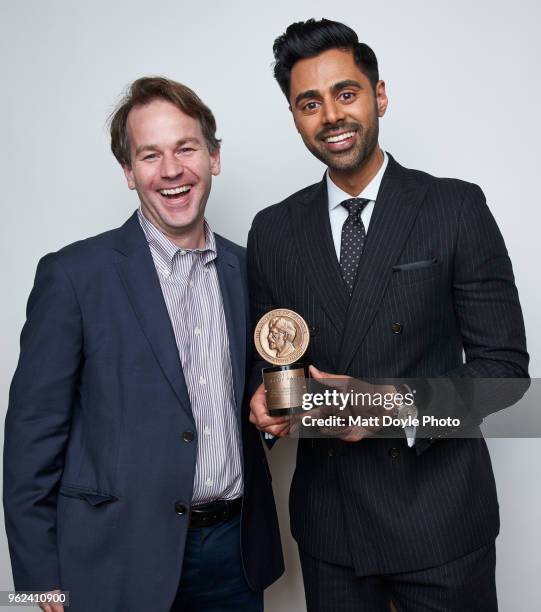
[489, 318]
[485, 297]
[261, 301]
[37, 425]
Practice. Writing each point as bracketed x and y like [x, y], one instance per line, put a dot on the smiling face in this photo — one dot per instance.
[336, 110]
[171, 170]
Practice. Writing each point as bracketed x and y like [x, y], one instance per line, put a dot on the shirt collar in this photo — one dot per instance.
[165, 250]
[336, 195]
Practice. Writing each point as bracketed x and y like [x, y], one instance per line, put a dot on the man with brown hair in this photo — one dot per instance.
[128, 456]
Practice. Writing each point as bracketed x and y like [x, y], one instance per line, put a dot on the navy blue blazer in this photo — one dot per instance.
[94, 457]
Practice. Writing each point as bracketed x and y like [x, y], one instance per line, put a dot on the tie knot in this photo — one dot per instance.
[355, 206]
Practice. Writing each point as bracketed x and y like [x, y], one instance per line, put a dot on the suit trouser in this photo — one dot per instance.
[212, 575]
[466, 584]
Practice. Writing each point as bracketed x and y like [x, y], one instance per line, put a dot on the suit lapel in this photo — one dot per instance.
[141, 282]
[234, 300]
[312, 235]
[396, 208]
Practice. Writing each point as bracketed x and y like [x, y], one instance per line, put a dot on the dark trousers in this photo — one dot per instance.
[212, 577]
[466, 584]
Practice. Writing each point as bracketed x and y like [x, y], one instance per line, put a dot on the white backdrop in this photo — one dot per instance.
[462, 80]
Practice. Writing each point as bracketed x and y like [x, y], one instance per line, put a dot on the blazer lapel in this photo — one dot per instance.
[234, 300]
[396, 208]
[141, 282]
[312, 235]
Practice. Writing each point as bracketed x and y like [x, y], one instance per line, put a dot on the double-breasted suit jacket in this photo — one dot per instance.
[378, 505]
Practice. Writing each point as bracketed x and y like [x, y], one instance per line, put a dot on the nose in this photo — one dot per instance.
[171, 167]
[333, 112]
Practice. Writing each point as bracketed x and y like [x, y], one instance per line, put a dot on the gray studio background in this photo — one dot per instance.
[462, 80]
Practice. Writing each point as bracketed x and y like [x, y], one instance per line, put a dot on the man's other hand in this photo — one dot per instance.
[347, 433]
[259, 415]
[52, 607]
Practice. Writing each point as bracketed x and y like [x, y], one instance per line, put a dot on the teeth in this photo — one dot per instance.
[340, 137]
[176, 190]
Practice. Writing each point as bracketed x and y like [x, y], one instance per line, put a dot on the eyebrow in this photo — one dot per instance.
[345, 83]
[310, 93]
[155, 147]
[314, 93]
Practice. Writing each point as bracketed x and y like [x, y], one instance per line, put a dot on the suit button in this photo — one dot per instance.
[394, 452]
[396, 328]
[188, 436]
[313, 331]
[180, 508]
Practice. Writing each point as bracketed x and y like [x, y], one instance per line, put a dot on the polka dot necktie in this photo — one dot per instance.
[353, 239]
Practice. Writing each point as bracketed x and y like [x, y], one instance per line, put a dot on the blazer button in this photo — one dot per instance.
[180, 508]
[313, 331]
[396, 328]
[188, 436]
[394, 453]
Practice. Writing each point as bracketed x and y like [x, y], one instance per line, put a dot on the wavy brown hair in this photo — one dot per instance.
[145, 90]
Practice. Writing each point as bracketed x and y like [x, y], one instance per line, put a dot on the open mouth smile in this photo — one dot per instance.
[340, 137]
[176, 193]
[340, 142]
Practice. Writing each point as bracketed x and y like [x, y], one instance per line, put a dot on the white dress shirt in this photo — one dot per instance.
[338, 214]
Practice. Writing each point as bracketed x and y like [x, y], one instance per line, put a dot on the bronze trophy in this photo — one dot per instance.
[281, 338]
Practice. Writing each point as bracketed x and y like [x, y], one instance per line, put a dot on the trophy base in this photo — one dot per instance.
[285, 386]
[278, 412]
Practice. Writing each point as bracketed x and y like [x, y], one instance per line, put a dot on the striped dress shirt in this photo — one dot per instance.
[190, 287]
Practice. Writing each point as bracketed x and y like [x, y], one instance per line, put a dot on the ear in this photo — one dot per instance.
[215, 163]
[128, 173]
[381, 98]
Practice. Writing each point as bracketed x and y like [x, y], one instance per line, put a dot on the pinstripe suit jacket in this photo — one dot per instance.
[357, 504]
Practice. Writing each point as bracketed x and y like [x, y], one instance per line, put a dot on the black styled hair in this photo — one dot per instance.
[310, 38]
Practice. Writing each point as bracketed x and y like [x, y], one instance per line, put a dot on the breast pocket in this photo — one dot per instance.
[415, 272]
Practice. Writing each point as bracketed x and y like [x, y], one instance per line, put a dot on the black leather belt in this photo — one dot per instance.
[215, 512]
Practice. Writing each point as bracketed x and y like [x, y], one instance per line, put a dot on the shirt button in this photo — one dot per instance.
[208, 482]
[202, 380]
[206, 431]
[182, 252]
[197, 331]
[191, 283]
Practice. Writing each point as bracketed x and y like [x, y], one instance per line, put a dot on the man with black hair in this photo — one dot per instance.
[397, 273]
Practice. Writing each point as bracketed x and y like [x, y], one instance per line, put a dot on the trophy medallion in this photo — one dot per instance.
[281, 338]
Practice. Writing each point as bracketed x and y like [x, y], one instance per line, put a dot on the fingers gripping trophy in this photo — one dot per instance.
[281, 338]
